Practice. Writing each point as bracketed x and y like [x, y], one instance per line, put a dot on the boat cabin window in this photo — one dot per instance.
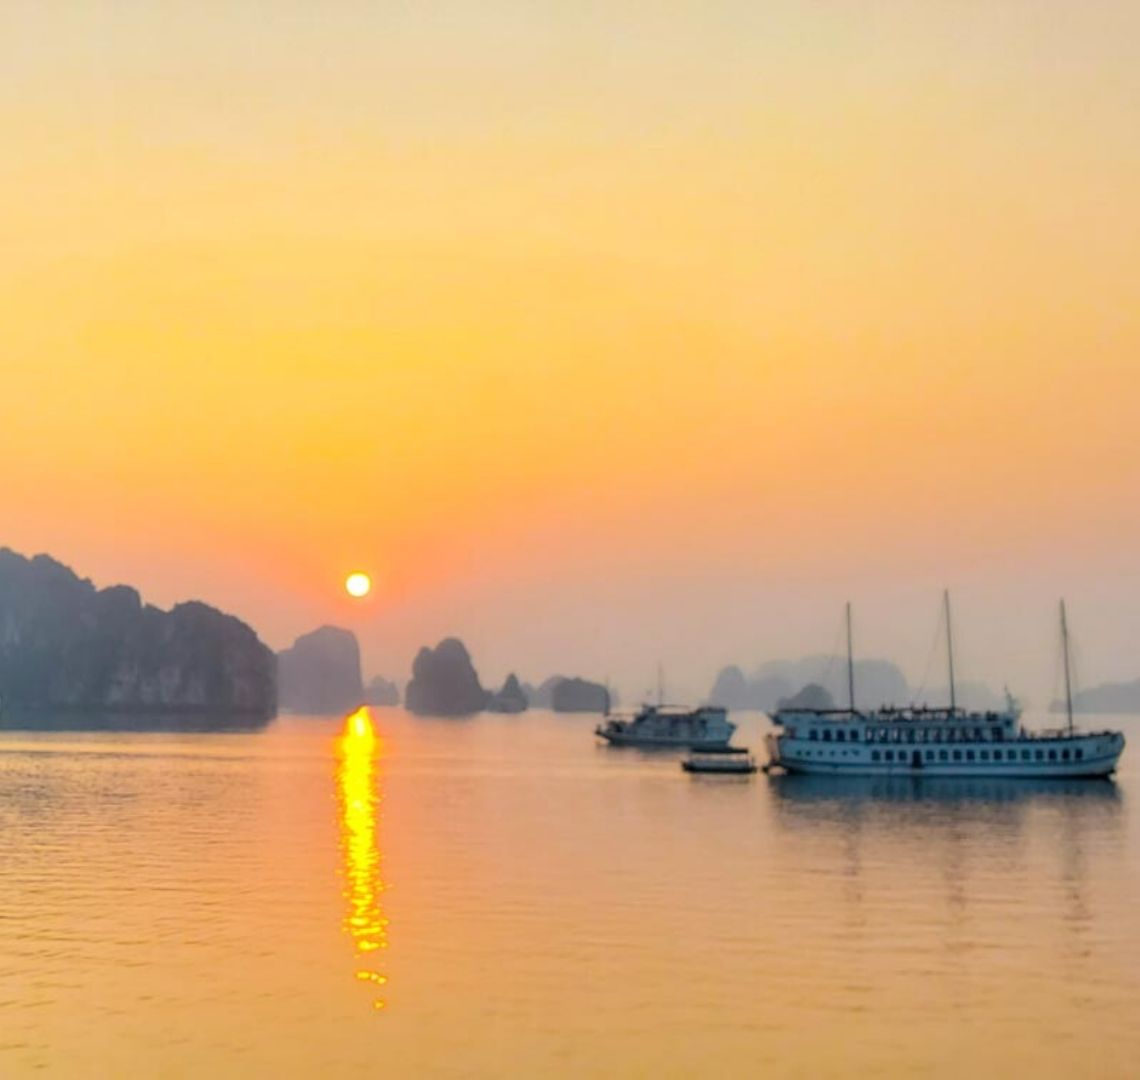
[840, 736]
[1039, 755]
[969, 755]
[1078, 753]
[813, 735]
[875, 755]
[957, 755]
[1052, 755]
[929, 755]
[986, 755]
[1024, 755]
[889, 754]
[827, 734]
[1064, 755]
[943, 755]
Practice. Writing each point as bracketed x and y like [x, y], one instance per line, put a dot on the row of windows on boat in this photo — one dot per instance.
[907, 735]
[964, 755]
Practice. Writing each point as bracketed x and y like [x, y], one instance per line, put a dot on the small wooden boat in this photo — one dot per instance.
[731, 760]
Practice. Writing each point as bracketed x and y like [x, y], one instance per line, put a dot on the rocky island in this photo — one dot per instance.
[320, 673]
[444, 682]
[1120, 697]
[877, 682]
[576, 695]
[66, 646]
[510, 699]
[381, 691]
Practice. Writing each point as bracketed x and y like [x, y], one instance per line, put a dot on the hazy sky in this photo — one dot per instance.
[598, 333]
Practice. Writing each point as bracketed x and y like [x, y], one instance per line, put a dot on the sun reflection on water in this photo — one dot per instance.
[359, 750]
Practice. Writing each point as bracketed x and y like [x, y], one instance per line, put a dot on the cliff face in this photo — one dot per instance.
[320, 673]
[444, 682]
[66, 645]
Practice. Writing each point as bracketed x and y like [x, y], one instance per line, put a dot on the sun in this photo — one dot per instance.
[358, 584]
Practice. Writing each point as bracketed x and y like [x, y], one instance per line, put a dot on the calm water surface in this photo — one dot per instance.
[502, 896]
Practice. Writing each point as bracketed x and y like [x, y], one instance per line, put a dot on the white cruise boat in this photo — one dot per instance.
[920, 741]
[703, 728]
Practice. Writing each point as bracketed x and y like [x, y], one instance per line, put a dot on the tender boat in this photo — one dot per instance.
[733, 760]
[703, 728]
[938, 741]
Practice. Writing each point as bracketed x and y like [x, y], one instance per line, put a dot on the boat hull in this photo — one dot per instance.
[664, 742]
[724, 769]
[1068, 771]
[907, 748]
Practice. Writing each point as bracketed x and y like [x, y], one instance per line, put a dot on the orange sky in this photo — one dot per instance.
[595, 332]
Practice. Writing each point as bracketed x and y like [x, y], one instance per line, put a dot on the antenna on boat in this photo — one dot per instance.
[660, 685]
[1068, 677]
[850, 663]
[950, 649]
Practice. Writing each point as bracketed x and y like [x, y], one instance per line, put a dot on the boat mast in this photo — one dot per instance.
[660, 686]
[950, 649]
[1068, 677]
[850, 663]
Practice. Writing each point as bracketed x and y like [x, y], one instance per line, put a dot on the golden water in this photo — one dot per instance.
[502, 896]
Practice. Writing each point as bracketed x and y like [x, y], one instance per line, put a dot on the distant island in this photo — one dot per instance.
[569, 693]
[445, 683]
[576, 695]
[66, 646]
[320, 673]
[1119, 697]
[877, 682]
[381, 691]
[510, 698]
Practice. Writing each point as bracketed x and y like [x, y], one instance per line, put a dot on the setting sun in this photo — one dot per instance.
[358, 584]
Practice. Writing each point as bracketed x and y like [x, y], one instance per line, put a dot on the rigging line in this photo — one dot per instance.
[1074, 669]
[935, 649]
[1055, 693]
[832, 656]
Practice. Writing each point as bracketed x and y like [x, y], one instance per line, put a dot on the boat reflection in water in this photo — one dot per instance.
[358, 753]
[809, 788]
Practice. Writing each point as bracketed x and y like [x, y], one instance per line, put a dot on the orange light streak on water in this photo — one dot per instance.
[359, 750]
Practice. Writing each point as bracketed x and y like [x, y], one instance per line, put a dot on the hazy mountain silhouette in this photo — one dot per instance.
[1120, 697]
[444, 682]
[381, 691]
[509, 699]
[877, 682]
[320, 672]
[541, 696]
[812, 696]
[579, 695]
[65, 645]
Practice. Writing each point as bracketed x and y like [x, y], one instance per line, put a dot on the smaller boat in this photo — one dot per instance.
[703, 728]
[733, 760]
